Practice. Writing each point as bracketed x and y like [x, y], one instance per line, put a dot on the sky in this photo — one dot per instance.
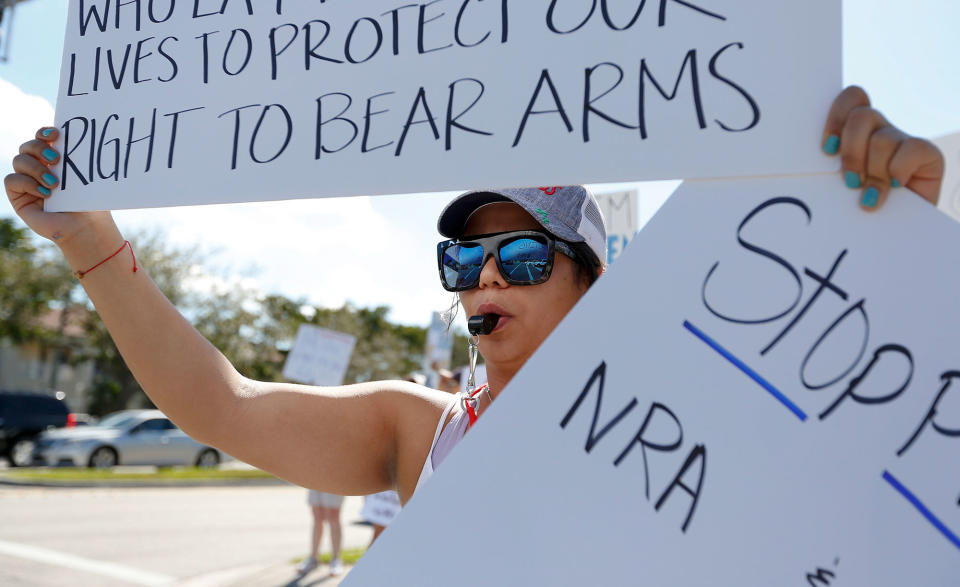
[381, 250]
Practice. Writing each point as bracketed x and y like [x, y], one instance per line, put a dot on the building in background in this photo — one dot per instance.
[49, 365]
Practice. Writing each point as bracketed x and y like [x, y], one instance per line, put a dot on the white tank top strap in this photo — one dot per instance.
[427, 469]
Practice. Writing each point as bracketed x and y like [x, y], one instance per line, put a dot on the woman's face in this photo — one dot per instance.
[528, 313]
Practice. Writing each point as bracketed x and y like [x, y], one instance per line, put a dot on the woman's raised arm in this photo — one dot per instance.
[347, 440]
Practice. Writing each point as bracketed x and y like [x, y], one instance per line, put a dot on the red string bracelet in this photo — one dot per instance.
[81, 274]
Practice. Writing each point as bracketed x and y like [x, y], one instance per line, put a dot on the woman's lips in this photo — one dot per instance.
[490, 308]
[501, 323]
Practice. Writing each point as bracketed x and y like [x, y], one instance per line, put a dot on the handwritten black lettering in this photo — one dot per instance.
[367, 117]
[246, 51]
[858, 380]
[115, 143]
[310, 48]
[598, 376]
[589, 98]
[544, 79]
[422, 26]
[453, 120]
[421, 100]
[824, 283]
[149, 137]
[274, 52]
[930, 418]
[698, 457]
[691, 59]
[378, 33]
[320, 147]
[646, 443]
[754, 107]
[778, 201]
[856, 308]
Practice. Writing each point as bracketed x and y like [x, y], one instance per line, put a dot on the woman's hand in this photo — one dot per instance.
[877, 155]
[33, 181]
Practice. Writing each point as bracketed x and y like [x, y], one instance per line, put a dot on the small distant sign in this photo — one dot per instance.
[620, 214]
[439, 347]
[319, 356]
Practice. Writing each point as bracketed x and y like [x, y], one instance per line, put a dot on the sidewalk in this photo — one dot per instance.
[278, 575]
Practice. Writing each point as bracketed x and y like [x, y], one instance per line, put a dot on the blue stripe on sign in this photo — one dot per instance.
[750, 372]
[922, 508]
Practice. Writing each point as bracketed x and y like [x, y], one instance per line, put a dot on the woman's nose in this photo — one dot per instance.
[490, 274]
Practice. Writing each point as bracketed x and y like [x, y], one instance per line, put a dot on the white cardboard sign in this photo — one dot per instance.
[319, 356]
[775, 402]
[167, 102]
[950, 192]
[620, 216]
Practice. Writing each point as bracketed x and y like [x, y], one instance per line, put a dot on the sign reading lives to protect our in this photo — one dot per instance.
[775, 401]
[319, 356]
[167, 102]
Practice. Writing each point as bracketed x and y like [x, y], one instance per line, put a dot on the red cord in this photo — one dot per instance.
[81, 274]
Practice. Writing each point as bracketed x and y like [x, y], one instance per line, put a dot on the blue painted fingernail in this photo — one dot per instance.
[49, 179]
[832, 145]
[852, 179]
[894, 183]
[49, 154]
[870, 197]
[43, 190]
[47, 132]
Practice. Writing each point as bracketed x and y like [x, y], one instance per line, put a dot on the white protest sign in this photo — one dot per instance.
[167, 102]
[439, 347]
[381, 508]
[319, 356]
[620, 215]
[775, 402]
[950, 192]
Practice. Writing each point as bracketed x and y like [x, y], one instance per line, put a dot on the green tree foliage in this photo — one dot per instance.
[32, 278]
[253, 330]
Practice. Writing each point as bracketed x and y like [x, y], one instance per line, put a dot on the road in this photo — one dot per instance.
[169, 536]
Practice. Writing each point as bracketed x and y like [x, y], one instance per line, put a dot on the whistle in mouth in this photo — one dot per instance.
[482, 324]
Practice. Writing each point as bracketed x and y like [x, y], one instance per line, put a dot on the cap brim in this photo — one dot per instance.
[454, 217]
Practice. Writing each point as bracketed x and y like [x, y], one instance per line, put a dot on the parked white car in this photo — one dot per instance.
[130, 437]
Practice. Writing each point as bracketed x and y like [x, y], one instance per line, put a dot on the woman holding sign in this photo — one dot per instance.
[519, 258]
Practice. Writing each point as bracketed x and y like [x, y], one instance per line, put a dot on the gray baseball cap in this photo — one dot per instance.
[569, 213]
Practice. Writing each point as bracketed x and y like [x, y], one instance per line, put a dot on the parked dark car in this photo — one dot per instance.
[24, 415]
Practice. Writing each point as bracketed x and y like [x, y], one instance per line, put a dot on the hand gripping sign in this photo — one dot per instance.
[775, 402]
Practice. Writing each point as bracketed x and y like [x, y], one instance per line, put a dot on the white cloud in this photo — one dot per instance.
[22, 115]
[327, 251]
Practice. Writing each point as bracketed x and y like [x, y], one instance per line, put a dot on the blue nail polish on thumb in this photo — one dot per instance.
[832, 145]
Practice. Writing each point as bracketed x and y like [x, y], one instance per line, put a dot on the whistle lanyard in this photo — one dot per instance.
[468, 398]
[469, 403]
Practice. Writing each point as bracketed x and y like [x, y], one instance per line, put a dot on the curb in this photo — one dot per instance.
[146, 484]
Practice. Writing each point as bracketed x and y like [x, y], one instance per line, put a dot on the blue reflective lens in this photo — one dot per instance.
[524, 259]
[462, 264]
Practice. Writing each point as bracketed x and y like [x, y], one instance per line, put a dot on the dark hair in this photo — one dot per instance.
[587, 263]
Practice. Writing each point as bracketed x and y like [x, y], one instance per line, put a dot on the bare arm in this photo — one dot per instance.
[347, 440]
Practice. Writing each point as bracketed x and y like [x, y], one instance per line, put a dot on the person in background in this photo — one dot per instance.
[325, 507]
[448, 381]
